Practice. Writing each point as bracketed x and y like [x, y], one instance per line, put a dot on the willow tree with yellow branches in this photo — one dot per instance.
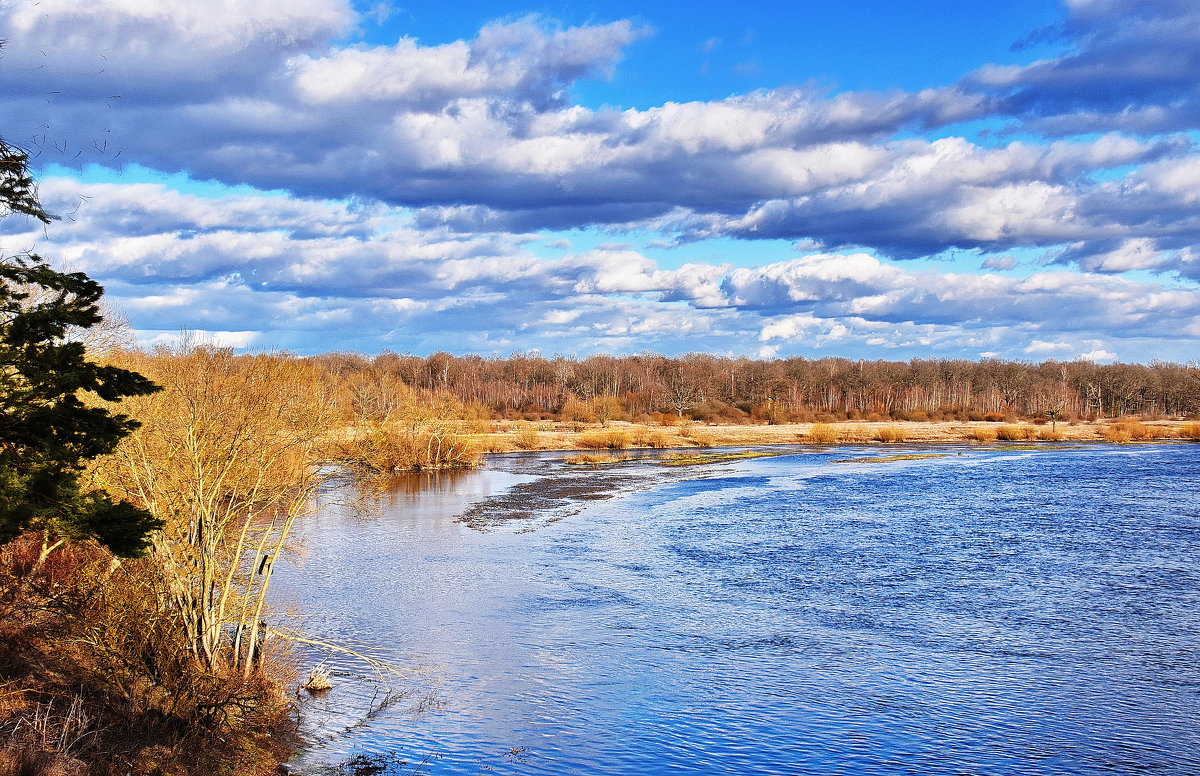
[226, 459]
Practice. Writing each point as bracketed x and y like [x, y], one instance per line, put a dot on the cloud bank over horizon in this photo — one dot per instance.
[458, 195]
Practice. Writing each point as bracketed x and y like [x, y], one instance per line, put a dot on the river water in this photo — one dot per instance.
[985, 612]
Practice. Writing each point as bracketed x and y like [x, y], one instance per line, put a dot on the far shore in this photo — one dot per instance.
[506, 436]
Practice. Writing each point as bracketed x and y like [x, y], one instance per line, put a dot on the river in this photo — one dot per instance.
[987, 611]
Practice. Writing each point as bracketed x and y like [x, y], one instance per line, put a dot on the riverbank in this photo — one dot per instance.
[506, 436]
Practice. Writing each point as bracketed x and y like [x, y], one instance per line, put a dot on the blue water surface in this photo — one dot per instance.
[983, 612]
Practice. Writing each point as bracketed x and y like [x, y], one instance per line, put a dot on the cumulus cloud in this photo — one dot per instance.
[418, 174]
[371, 280]
[1131, 67]
[481, 134]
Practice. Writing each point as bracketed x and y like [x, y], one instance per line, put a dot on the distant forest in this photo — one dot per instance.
[718, 389]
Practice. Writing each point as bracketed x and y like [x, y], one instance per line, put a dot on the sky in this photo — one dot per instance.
[880, 179]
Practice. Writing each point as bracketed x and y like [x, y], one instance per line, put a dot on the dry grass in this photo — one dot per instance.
[97, 677]
[982, 434]
[1189, 431]
[1016, 433]
[652, 438]
[823, 434]
[527, 438]
[1130, 431]
[604, 439]
[890, 434]
[1117, 433]
[594, 459]
[577, 436]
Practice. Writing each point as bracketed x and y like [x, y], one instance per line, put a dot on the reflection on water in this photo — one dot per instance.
[988, 613]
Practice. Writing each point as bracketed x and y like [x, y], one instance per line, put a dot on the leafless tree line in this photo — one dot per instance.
[712, 387]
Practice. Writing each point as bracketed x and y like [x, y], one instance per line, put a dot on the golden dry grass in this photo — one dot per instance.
[890, 434]
[982, 434]
[527, 438]
[823, 434]
[580, 436]
[1008, 433]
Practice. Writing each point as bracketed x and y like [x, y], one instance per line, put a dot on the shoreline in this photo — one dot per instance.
[551, 436]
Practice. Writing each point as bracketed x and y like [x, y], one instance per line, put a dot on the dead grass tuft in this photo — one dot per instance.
[982, 434]
[1129, 431]
[593, 459]
[527, 437]
[1016, 433]
[823, 434]
[604, 439]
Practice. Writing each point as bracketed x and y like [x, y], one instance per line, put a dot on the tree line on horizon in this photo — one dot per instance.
[715, 389]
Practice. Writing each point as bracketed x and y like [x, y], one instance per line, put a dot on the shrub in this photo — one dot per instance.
[1129, 430]
[1118, 433]
[1016, 433]
[982, 434]
[1051, 435]
[891, 434]
[645, 437]
[995, 417]
[822, 434]
[610, 439]
[527, 438]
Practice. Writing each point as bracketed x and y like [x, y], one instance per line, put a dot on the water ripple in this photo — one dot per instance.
[989, 613]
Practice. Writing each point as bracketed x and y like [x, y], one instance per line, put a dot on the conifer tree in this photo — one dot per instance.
[48, 431]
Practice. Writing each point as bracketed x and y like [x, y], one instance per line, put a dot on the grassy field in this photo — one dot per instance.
[504, 436]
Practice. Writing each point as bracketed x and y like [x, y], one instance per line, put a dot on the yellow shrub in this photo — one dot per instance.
[1119, 433]
[982, 434]
[1129, 430]
[610, 439]
[891, 434]
[527, 438]
[1016, 433]
[822, 434]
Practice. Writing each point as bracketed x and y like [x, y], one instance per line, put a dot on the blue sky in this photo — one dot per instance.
[865, 179]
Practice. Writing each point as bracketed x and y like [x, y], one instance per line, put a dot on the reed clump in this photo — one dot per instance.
[856, 433]
[1189, 431]
[823, 434]
[652, 438]
[1051, 435]
[593, 459]
[527, 437]
[889, 434]
[604, 439]
[1124, 431]
[982, 434]
[385, 449]
[1009, 433]
[698, 437]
